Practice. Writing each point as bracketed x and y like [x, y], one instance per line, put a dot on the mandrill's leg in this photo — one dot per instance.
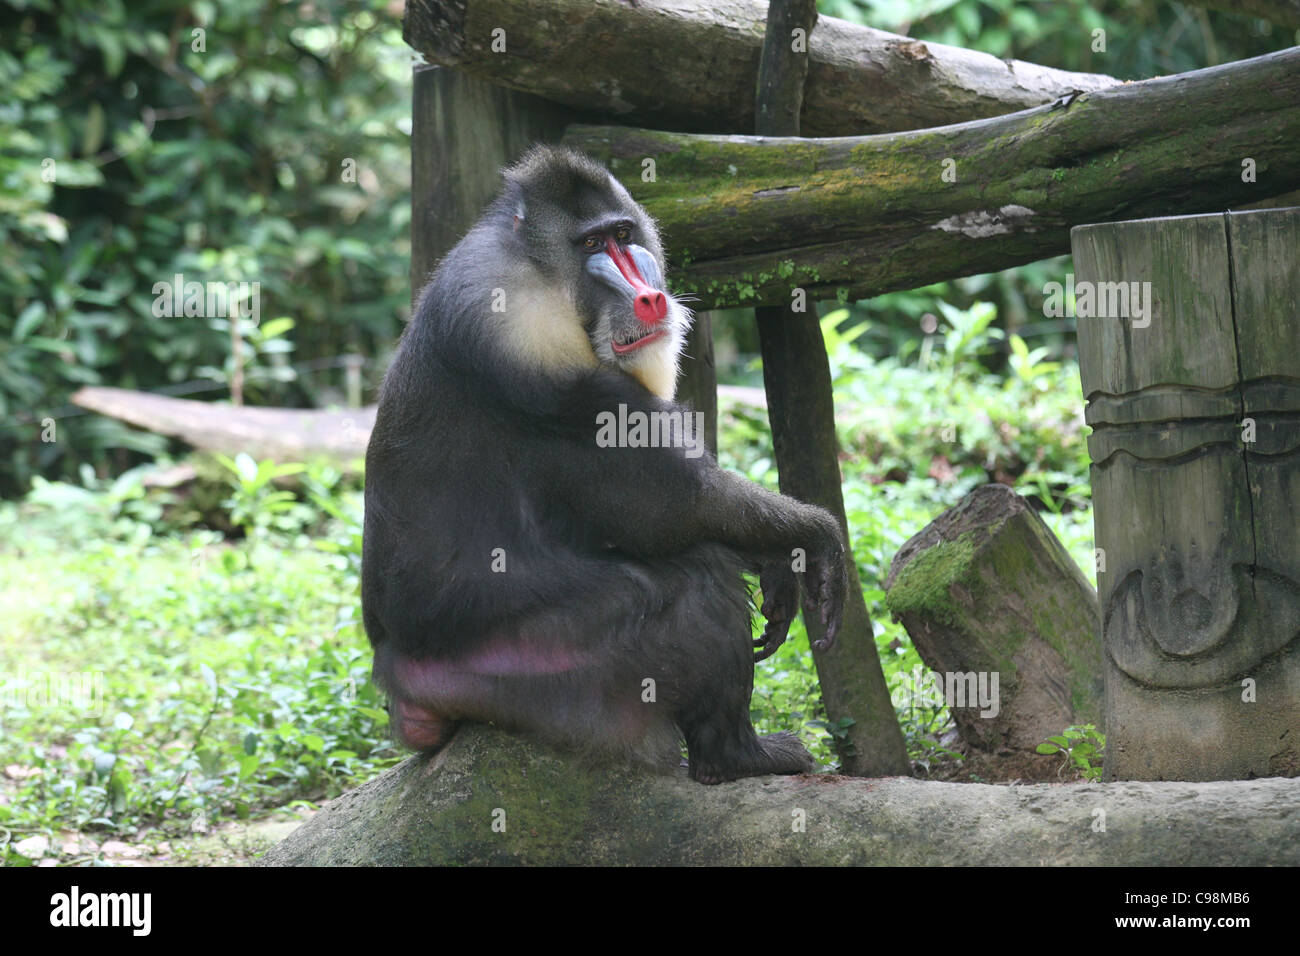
[642, 657]
[721, 740]
[707, 642]
[420, 728]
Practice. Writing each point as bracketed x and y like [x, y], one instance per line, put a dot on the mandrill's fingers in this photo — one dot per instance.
[774, 636]
[780, 604]
[829, 586]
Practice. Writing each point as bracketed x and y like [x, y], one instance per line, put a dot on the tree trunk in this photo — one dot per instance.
[855, 217]
[986, 590]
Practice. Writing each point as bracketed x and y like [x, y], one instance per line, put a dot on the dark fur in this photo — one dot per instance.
[622, 563]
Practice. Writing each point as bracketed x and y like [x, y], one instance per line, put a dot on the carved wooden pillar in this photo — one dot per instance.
[1195, 410]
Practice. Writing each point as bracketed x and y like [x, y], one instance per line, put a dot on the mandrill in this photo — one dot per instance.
[523, 569]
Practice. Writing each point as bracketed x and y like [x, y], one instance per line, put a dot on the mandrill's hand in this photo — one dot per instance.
[780, 605]
[827, 583]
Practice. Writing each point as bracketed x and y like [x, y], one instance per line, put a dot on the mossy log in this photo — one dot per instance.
[689, 65]
[492, 799]
[987, 591]
[749, 219]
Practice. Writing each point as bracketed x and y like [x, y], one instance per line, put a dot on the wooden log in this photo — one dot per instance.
[987, 592]
[854, 217]
[278, 434]
[689, 65]
[1194, 400]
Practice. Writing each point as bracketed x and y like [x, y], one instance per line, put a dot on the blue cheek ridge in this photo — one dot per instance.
[648, 267]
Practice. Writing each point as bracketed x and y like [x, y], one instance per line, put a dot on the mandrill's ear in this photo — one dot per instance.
[519, 216]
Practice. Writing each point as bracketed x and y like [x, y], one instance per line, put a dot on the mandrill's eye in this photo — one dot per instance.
[593, 243]
[623, 235]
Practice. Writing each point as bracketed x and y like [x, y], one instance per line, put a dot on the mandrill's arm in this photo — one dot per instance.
[659, 501]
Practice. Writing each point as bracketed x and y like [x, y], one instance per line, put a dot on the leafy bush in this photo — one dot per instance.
[142, 141]
[1082, 748]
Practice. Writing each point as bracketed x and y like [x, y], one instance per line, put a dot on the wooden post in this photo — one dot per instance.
[801, 409]
[697, 382]
[463, 130]
[1193, 384]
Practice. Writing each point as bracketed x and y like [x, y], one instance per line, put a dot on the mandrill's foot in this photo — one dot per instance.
[777, 753]
[419, 728]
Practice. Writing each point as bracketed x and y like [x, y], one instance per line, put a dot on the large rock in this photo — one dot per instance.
[441, 811]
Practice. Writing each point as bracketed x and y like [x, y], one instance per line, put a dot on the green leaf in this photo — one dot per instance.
[29, 320]
[276, 327]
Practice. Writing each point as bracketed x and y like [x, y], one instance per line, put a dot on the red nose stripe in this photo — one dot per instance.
[650, 305]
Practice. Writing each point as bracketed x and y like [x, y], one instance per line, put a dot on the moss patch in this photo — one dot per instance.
[922, 587]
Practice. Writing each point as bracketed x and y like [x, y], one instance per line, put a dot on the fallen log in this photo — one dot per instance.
[492, 799]
[690, 66]
[747, 219]
[278, 434]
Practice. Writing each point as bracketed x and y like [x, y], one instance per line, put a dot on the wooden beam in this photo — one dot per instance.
[690, 65]
[747, 218]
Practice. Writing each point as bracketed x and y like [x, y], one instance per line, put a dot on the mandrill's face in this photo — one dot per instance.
[611, 261]
[631, 321]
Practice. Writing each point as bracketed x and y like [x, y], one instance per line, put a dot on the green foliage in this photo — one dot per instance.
[255, 503]
[943, 414]
[1082, 747]
[1142, 39]
[146, 140]
[224, 690]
